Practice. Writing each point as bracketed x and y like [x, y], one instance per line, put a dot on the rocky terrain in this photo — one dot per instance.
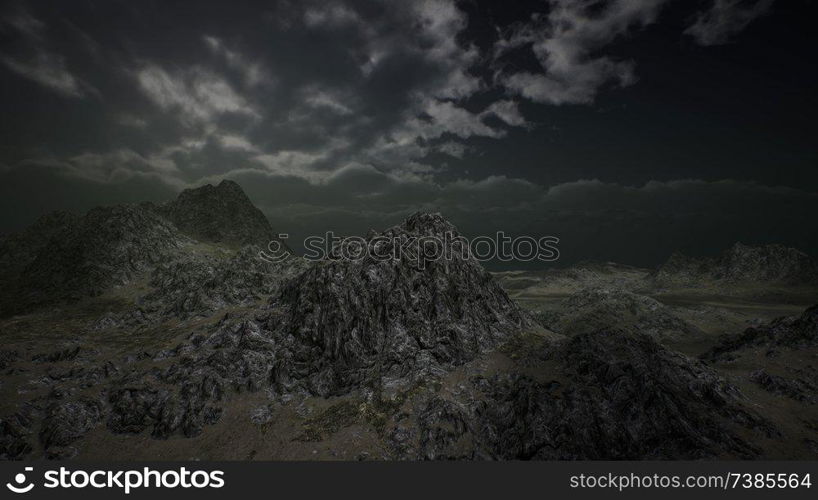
[792, 333]
[158, 331]
[606, 395]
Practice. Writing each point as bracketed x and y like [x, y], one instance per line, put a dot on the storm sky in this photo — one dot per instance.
[628, 129]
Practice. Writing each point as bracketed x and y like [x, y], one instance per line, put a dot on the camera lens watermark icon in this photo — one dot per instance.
[276, 252]
[20, 479]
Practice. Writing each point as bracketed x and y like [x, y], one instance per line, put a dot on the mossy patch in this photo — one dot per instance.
[376, 413]
[330, 421]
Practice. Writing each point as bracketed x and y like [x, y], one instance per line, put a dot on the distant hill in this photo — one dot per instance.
[741, 263]
[106, 247]
[65, 257]
[18, 249]
[219, 214]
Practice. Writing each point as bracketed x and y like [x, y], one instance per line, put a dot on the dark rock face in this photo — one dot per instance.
[345, 322]
[741, 263]
[680, 268]
[161, 411]
[787, 332]
[19, 250]
[107, 247]
[219, 214]
[620, 396]
[6, 357]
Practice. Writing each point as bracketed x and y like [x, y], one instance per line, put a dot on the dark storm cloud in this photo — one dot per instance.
[565, 42]
[640, 225]
[34, 59]
[345, 115]
[297, 88]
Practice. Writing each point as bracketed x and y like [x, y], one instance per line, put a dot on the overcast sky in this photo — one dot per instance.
[627, 128]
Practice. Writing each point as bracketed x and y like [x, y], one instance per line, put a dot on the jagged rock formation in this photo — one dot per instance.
[219, 214]
[799, 332]
[741, 263]
[616, 396]
[66, 422]
[64, 412]
[345, 322]
[339, 326]
[187, 394]
[611, 308]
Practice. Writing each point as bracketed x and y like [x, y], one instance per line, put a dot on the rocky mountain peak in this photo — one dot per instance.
[219, 214]
[425, 224]
[353, 321]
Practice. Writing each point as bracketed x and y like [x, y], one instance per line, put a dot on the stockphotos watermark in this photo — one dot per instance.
[420, 249]
[124, 480]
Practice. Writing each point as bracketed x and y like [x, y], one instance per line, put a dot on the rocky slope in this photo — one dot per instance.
[799, 333]
[201, 285]
[606, 396]
[106, 247]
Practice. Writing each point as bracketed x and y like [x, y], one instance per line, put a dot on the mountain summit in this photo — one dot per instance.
[219, 214]
[351, 321]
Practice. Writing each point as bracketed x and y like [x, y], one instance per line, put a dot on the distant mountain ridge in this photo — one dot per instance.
[741, 263]
[65, 257]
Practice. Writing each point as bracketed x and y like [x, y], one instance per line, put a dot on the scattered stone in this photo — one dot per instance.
[66, 422]
[797, 389]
